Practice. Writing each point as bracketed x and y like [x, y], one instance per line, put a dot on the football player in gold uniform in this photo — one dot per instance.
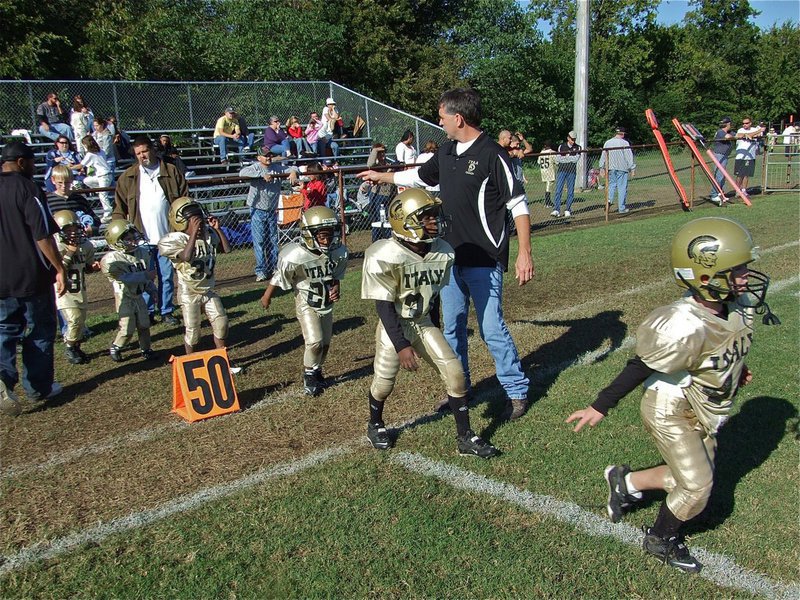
[404, 275]
[125, 265]
[312, 269]
[192, 248]
[77, 256]
[690, 355]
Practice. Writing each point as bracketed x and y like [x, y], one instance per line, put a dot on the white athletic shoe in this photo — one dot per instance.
[567, 214]
[554, 214]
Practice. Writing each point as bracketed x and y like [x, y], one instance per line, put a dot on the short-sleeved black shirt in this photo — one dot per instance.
[24, 219]
[475, 189]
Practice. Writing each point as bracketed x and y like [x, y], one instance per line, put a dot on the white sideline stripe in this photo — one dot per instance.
[287, 394]
[717, 568]
[50, 549]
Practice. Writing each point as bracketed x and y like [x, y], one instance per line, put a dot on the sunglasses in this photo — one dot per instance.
[63, 142]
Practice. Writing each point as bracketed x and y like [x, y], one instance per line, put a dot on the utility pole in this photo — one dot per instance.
[581, 100]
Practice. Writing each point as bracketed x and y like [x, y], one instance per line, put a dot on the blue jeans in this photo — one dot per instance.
[264, 228]
[323, 144]
[723, 160]
[164, 269]
[56, 130]
[282, 148]
[485, 286]
[223, 142]
[30, 321]
[618, 182]
[561, 178]
[301, 145]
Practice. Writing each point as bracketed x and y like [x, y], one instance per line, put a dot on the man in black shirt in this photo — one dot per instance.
[30, 263]
[477, 189]
[722, 146]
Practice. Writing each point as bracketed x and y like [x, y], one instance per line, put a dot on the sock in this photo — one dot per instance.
[547, 197]
[632, 491]
[667, 525]
[375, 410]
[460, 413]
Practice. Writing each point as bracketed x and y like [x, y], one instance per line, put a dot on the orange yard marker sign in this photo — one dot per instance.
[202, 385]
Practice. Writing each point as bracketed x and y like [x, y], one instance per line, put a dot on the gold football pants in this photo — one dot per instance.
[75, 318]
[192, 310]
[687, 448]
[430, 344]
[317, 332]
[133, 317]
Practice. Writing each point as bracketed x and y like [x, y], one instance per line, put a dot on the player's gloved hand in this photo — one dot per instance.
[587, 416]
[408, 359]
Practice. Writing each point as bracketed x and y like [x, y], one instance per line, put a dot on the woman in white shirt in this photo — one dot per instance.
[94, 163]
[405, 151]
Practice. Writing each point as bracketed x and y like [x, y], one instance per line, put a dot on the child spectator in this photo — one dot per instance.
[192, 247]
[77, 256]
[404, 275]
[312, 269]
[105, 139]
[547, 170]
[80, 118]
[297, 135]
[63, 198]
[126, 267]
[315, 192]
[312, 132]
[98, 174]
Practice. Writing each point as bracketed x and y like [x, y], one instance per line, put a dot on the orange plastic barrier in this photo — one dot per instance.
[202, 385]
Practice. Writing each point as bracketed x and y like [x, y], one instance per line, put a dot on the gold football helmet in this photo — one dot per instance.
[72, 232]
[116, 238]
[315, 219]
[405, 215]
[181, 210]
[703, 253]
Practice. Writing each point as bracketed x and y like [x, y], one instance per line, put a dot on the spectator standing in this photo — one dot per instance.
[262, 199]
[297, 136]
[143, 196]
[325, 136]
[98, 174]
[747, 137]
[61, 154]
[721, 147]
[428, 150]
[51, 118]
[569, 153]
[104, 137]
[616, 161]
[516, 154]
[376, 196]
[405, 151]
[547, 170]
[275, 138]
[791, 139]
[477, 190]
[30, 264]
[80, 118]
[227, 130]
[167, 152]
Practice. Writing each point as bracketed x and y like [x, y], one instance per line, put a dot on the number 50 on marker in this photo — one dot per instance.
[202, 385]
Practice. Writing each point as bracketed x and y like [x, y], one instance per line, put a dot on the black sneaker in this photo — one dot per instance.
[472, 445]
[149, 354]
[83, 355]
[323, 383]
[619, 500]
[170, 319]
[379, 436]
[311, 386]
[74, 355]
[116, 353]
[671, 551]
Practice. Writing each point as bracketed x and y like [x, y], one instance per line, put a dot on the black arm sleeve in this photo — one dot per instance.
[634, 373]
[435, 313]
[391, 323]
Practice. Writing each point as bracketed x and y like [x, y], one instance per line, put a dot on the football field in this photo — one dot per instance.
[107, 494]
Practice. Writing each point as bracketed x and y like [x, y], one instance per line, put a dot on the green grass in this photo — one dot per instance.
[362, 525]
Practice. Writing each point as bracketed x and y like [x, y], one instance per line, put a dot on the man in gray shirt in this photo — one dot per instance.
[262, 198]
[616, 161]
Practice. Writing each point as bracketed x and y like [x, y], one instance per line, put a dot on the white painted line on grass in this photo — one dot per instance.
[718, 568]
[50, 549]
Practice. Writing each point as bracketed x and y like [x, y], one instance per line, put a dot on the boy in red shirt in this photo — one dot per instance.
[314, 191]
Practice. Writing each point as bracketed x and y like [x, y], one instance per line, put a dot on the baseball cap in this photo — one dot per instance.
[15, 150]
[724, 120]
[229, 109]
[620, 129]
[264, 151]
[330, 101]
[572, 135]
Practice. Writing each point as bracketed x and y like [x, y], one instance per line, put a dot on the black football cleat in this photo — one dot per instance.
[379, 436]
[619, 500]
[472, 445]
[671, 551]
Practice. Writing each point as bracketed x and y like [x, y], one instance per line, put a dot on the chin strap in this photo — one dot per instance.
[769, 317]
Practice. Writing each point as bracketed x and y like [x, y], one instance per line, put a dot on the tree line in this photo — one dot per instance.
[716, 62]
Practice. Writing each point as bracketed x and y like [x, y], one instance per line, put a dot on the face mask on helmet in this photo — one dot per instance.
[316, 220]
[416, 216]
[130, 240]
[122, 235]
[182, 210]
[73, 235]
